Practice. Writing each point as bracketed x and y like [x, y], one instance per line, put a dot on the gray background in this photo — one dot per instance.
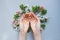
[8, 9]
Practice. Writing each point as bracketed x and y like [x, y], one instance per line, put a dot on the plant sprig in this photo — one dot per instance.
[35, 9]
[43, 26]
[16, 16]
[23, 7]
[44, 11]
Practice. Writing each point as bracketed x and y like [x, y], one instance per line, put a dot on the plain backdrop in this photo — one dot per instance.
[8, 9]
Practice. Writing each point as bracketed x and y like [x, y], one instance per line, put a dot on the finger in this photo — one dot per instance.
[33, 26]
[22, 17]
[38, 23]
[21, 22]
[33, 14]
[21, 25]
[26, 25]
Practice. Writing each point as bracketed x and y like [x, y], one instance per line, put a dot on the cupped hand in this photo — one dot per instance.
[35, 23]
[24, 23]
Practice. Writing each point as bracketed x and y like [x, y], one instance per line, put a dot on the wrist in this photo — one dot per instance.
[22, 35]
[23, 32]
[37, 36]
[36, 32]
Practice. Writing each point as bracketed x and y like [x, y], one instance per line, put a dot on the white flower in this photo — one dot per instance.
[15, 23]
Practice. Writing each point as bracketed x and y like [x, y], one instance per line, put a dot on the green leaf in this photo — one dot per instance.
[17, 25]
[23, 12]
[42, 21]
[35, 8]
[44, 11]
[46, 20]
[23, 7]
[16, 16]
[43, 26]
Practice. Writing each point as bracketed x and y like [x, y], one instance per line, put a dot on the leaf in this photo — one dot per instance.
[35, 8]
[44, 11]
[23, 12]
[23, 7]
[46, 20]
[17, 25]
[43, 26]
[42, 21]
[16, 16]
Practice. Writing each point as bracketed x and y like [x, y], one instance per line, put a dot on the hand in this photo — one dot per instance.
[35, 26]
[35, 23]
[24, 23]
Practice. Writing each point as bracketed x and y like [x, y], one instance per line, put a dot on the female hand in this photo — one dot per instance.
[35, 26]
[35, 23]
[24, 25]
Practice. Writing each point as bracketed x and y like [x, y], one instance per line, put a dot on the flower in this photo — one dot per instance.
[41, 8]
[15, 23]
[42, 18]
[18, 12]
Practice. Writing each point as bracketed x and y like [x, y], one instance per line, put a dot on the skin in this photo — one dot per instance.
[32, 20]
[35, 26]
[24, 25]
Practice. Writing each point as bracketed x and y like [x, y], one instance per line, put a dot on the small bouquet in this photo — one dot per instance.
[39, 11]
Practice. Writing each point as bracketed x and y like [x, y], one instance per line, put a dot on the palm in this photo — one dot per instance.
[35, 23]
[24, 24]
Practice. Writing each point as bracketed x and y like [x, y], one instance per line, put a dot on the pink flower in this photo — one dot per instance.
[18, 12]
[41, 8]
